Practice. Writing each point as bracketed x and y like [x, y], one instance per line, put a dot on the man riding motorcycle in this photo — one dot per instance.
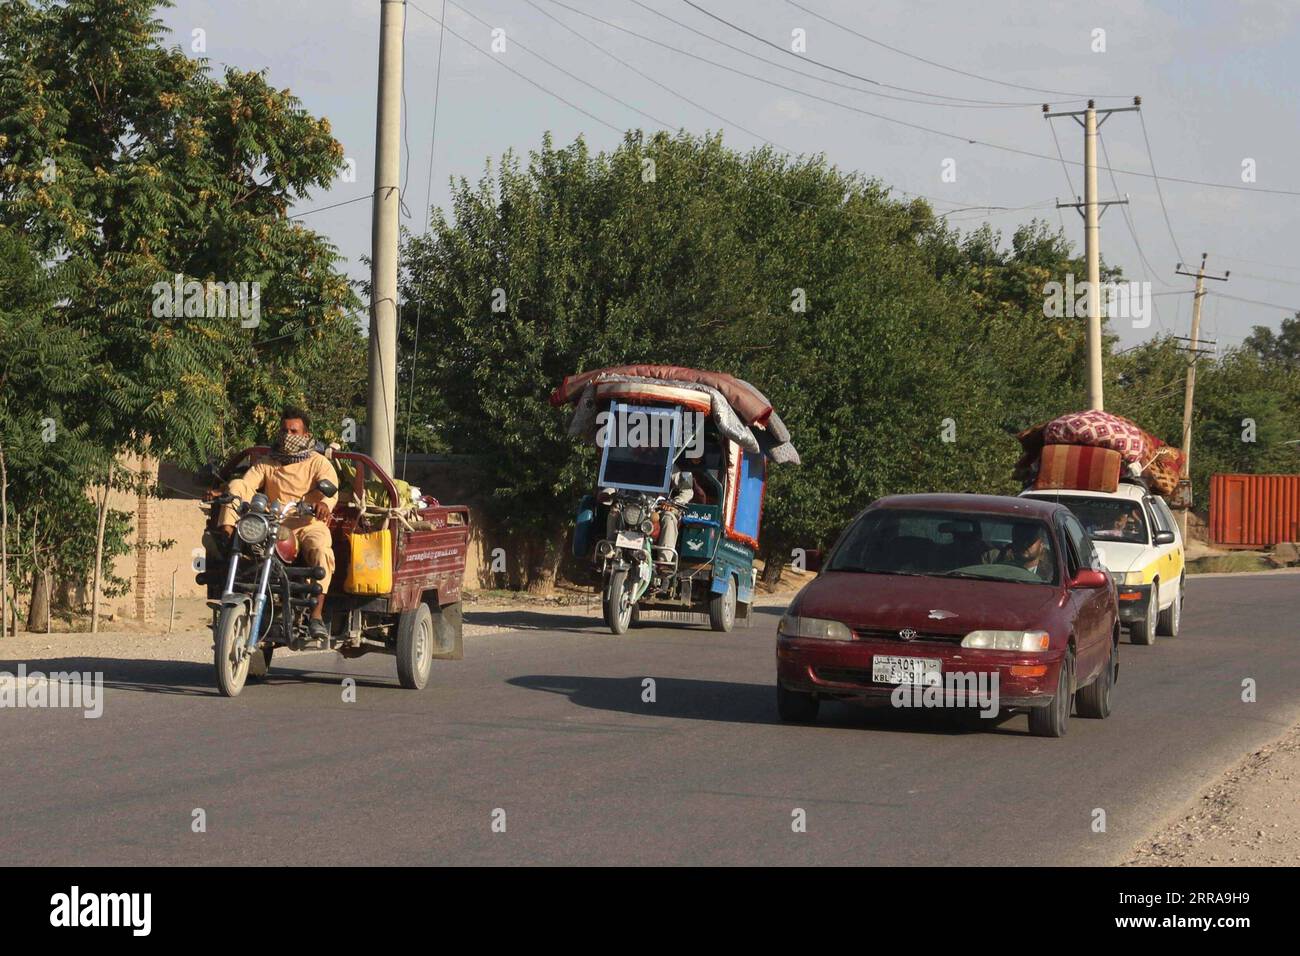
[288, 474]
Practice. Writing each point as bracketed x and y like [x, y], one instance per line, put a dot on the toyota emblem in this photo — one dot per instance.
[907, 634]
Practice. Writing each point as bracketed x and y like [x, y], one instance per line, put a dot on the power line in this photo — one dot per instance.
[544, 89]
[959, 100]
[1128, 221]
[1249, 275]
[1256, 262]
[1055, 139]
[346, 202]
[1272, 305]
[573, 76]
[977, 105]
[662, 86]
[1163, 208]
[428, 194]
[726, 120]
[941, 66]
[525, 78]
[905, 123]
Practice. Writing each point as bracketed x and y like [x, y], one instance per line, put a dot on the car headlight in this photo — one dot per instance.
[252, 529]
[1022, 641]
[813, 628]
[1127, 577]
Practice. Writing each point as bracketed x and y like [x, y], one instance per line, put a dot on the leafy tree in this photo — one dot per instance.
[133, 168]
[1279, 348]
[861, 318]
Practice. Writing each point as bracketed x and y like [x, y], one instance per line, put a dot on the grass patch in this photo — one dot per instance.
[1239, 562]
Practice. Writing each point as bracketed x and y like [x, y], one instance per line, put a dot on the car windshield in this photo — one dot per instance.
[948, 544]
[1108, 519]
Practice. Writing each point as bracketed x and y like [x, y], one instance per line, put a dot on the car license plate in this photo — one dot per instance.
[905, 670]
[630, 539]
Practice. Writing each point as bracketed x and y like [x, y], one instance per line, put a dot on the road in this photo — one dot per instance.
[550, 727]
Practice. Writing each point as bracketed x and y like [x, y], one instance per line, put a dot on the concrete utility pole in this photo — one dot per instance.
[1092, 209]
[381, 405]
[1194, 349]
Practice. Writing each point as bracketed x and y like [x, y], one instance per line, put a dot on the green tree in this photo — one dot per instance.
[863, 320]
[134, 167]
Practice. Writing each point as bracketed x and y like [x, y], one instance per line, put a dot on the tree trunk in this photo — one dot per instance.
[773, 565]
[38, 606]
[4, 544]
[543, 562]
[102, 504]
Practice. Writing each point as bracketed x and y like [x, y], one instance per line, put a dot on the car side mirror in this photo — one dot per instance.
[1164, 537]
[327, 488]
[812, 561]
[1089, 578]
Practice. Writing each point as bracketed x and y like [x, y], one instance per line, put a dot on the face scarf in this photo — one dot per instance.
[289, 448]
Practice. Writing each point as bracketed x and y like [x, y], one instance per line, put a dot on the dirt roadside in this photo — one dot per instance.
[1249, 816]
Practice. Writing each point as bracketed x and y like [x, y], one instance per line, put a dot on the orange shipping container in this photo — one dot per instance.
[1254, 510]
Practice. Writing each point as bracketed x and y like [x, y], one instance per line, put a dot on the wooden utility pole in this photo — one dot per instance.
[1194, 350]
[381, 404]
[1091, 210]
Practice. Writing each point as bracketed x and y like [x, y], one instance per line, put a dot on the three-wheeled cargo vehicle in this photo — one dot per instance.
[407, 604]
[674, 523]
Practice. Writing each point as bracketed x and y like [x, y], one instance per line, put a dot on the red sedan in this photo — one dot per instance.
[975, 601]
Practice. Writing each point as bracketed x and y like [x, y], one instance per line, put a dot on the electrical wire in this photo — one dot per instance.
[958, 100]
[883, 215]
[978, 105]
[910, 125]
[1159, 192]
[941, 66]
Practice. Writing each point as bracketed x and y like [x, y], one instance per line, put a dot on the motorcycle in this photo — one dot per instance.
[629, 557]
[266, 600]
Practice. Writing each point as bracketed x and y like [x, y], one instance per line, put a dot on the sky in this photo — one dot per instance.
[1218, 82]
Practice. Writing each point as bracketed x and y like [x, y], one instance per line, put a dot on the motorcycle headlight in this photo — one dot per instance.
[252, 529]
[813, 628]
[1026, 642]
[647, 526]
[631, 515]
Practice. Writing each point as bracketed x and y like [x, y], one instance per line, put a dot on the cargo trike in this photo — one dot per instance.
[399, 565]
[674, 523]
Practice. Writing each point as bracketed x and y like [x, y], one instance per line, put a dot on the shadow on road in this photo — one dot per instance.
[188, 678]
[690, 699]
[185, 678]
[535, 620]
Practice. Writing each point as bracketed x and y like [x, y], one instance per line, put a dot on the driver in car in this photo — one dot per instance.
[1028, 550]
[288, 474]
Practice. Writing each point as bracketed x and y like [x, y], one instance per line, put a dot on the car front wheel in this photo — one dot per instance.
[1054, 719]
[1143, 630]
[796, 707]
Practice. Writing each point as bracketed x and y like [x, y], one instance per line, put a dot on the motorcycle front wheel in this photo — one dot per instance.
[617, 603]
[228, 657]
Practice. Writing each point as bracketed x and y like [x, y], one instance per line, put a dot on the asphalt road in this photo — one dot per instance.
[550, 727]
